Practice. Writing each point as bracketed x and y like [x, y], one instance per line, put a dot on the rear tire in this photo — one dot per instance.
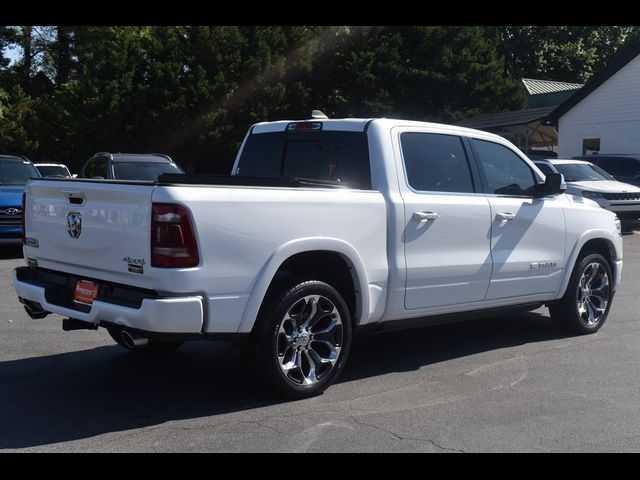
[585, 305]
[154, 346]
[302, 339]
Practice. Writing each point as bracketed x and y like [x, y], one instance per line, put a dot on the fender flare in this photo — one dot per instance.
[303, 245]
[578, 245]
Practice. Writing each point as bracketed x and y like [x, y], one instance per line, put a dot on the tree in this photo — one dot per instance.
[7, 40]
[452, 72]
[193, 91]
[16, 116]
[437, 73]
[563, 53]
[62, 53]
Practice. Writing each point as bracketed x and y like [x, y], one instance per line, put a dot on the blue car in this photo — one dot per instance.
[15, 172]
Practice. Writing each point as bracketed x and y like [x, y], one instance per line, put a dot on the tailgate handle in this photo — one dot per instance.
[75, 196]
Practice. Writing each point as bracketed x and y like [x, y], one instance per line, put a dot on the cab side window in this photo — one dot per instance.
[504, 171]
[96, 168]
[436, 162]
[88, 169]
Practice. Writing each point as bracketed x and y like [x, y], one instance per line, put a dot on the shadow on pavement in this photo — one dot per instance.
[407, 350]
[76, 395]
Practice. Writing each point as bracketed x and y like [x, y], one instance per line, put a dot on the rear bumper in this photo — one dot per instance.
[158, 314]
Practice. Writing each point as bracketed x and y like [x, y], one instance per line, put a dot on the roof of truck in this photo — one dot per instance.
[13, 158]
[361, 124]
[139, 157]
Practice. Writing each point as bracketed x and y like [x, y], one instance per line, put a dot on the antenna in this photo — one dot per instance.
[318, 114]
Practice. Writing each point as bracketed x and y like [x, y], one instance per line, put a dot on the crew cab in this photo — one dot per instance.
[324, 227]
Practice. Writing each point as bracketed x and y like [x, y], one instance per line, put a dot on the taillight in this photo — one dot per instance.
[22, 215]
[173, 240]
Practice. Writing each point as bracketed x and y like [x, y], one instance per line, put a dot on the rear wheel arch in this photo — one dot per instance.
[310, 245]
[326, 266]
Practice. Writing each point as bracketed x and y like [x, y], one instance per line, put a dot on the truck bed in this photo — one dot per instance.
[239, 229]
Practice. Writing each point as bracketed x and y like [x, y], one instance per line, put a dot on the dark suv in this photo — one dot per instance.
[128, 166]
[625, 168]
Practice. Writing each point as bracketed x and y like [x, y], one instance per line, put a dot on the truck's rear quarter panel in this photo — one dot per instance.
[240, 229]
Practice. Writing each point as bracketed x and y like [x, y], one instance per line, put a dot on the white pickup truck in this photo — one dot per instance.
[325, 227]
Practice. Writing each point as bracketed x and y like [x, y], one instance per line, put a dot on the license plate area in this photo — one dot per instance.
[85, 292]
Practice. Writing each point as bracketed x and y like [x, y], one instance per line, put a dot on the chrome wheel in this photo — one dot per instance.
[309, 340]
[593, 294]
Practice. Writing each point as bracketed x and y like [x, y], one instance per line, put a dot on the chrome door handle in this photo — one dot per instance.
[424, 216]
[506, 216]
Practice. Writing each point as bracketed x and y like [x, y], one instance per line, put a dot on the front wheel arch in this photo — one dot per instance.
[597, 244]
[586, 303]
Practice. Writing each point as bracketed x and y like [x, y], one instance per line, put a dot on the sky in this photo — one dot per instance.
[12, 53]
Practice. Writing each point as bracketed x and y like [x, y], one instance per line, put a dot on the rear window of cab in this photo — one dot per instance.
[321, 154]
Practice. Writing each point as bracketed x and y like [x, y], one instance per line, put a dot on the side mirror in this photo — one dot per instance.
[553, 184]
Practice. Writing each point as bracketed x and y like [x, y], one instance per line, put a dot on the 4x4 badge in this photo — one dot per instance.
[74, 224]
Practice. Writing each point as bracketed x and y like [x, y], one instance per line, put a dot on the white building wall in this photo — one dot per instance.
[611, 113]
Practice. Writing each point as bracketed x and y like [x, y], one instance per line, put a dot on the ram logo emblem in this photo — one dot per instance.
[74, 224]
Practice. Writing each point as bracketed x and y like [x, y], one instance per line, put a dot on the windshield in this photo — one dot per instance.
[581, 172]
[53, 171]
[16, 172]
[143, 170]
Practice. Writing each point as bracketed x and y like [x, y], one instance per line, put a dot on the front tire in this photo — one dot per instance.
[303, 339]
[585, 305]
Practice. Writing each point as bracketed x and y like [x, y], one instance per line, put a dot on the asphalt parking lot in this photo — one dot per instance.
[511, 383]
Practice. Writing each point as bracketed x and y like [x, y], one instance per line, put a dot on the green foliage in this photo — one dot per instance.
[570, 54]
[193, 91]
[17, 111]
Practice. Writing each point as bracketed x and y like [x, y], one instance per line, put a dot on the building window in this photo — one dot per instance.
[590, 146]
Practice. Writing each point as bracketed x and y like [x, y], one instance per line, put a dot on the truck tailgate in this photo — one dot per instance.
[91, 228]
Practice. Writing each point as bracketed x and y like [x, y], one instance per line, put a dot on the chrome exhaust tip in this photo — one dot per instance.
[34, 310]
[133, 340]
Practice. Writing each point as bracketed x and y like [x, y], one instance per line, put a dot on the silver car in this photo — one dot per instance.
[590, 181]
